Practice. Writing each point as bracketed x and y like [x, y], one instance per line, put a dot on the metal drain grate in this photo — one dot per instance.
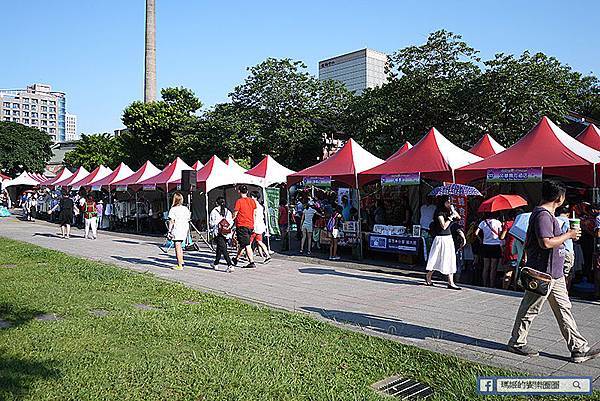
[405, 389]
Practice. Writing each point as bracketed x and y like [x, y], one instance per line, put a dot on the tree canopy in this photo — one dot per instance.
[23, 148]
[94, 150]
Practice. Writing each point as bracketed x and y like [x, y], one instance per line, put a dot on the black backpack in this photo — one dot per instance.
[434, 227]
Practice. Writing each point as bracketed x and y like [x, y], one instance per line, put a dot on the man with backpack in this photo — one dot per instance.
[544, 245]
[221, 224]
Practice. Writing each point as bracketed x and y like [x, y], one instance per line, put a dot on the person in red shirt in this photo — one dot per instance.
[243, 216]
[283, 221]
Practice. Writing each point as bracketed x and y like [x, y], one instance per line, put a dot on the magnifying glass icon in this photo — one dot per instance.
[576, 384]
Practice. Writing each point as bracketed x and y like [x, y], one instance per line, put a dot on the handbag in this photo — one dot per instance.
[535, 281]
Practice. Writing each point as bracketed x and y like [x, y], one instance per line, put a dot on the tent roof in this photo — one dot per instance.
[79, 174]
[96, 175]
[545, 146]
[216, 173]
[406, 146]
[233, 164]
[169, 175]
[62, 175]
[342, 166]
[148, 170]
[270, 171]
[4, 177]
[24, 178]
[486, 147]
[121, 172]
[434, 156]
[590, 137]
[198, 165]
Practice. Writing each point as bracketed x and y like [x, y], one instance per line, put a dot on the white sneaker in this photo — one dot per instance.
[213, 266]
[230, 269]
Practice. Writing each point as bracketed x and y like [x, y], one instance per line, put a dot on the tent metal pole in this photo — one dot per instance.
[453, 177]
[359, 229]
[266, 203]
[289, 225]
[137, 214]
[207, 217]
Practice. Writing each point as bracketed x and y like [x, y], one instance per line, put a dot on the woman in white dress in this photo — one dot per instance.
[442, 256]
[179, 227]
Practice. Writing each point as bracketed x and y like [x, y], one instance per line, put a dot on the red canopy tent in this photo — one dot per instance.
[120, 173]
[342, 166]
[4, 177]
[590, 137]
[486, 147]
[79, 174]
[407, 145]
[170, 175]
[62, 175]
[434, 156]
[198, 165]
[97, 174]
[148, 170]
[546, 146]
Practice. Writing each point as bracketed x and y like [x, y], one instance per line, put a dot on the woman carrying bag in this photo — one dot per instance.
[221, 224]
[179, 227]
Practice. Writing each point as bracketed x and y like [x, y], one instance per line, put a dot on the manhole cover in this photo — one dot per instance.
[405, 389]
[48, 317]
[191, 302]
[8, 266]
[145, 307]
[99, 312]
[5, 324]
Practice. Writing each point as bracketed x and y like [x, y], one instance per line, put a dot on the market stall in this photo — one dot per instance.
[145, 211]
[94, 176]
[78, 175]
[234, 165]
[62, 175]
[590, 137]
[341, 171]
[398, 183]
[486, 147]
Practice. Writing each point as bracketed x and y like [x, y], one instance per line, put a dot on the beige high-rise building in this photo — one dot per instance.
[36, 106]
[358, 70]
[71, 128]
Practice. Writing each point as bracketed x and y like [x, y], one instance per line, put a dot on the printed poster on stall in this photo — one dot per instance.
[460, 204]
[273, 206]
[317, 181]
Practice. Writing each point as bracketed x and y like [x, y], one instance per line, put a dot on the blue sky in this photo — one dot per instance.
[93, 50]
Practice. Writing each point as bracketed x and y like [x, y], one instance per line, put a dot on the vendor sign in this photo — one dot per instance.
[532, 174]
[273, 205]
[96, 187]
[121, 188]
[317, 181]
[401, 179]
[149, 187]
[403, 245]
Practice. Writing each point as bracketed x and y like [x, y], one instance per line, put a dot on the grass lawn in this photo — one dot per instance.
[213, 348]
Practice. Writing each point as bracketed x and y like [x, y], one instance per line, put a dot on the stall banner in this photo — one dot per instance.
[121, 188]
[273, 205]
[401, 179]
[317, 181]
[460, 204]
[96, 187]
[404, 245]
[532, 174]
[149, 187]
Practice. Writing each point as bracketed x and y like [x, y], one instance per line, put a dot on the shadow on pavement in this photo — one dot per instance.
[141, 261]
[398, 328]
[333, 272]
[124, 241]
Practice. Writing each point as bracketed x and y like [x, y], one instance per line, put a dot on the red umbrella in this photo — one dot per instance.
[502, 202]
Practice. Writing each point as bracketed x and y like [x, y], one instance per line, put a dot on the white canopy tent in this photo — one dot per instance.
[25, 178]
[270, 172]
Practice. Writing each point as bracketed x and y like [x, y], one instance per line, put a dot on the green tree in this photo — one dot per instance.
[514, 92]
[23, 149]
[94, 150]
[288, 112]
[429, 86]
[154, 128]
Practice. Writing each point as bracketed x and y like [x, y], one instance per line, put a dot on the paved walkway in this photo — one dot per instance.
[473, 324]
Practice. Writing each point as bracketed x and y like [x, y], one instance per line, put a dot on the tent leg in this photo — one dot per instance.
[289, 226]
[137, 214]
[359, 231]
[266, 203]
